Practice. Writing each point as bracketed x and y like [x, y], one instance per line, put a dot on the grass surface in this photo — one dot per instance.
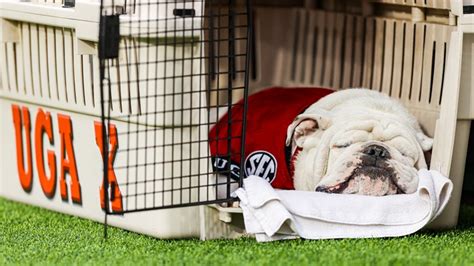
[33, 235]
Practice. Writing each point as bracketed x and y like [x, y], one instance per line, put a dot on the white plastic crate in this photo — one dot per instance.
[417, 51]
[51, 81]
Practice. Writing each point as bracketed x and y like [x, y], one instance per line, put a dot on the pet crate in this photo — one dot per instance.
[197, 59]
[105, 107]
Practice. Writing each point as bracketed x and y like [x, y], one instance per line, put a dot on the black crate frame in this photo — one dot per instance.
[210, 56]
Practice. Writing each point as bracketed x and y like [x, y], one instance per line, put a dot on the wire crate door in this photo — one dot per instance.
[169, 70]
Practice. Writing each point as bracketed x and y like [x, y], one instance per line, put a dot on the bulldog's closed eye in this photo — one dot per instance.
[340, 146]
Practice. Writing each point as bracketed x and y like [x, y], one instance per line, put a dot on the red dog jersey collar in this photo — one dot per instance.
[269, 114]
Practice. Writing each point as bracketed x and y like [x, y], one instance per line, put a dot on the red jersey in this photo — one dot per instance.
[269, 114]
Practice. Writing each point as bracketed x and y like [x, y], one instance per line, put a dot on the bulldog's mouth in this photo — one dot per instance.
[370, 180]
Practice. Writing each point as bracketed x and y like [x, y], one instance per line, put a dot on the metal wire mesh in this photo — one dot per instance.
[169, 70]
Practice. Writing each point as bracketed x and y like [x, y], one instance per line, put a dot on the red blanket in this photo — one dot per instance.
[270, 112]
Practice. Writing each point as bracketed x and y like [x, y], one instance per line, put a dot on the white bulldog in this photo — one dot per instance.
[357, 141]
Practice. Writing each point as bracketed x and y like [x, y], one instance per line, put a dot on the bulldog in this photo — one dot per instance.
[357, 141]
[353, 141]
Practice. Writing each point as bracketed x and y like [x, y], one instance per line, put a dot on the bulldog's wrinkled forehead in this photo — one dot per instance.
[389, 131]
[380, 125]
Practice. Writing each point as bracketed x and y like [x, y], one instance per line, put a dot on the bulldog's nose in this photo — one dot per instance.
[376, 151]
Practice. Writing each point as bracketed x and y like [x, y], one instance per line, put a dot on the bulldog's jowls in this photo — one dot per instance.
[357, 141]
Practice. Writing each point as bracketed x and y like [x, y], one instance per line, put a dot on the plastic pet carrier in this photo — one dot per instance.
[106, 107]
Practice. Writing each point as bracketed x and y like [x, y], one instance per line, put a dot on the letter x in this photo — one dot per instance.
[116, 195]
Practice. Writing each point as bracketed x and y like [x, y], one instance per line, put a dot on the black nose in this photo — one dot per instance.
[376, 151]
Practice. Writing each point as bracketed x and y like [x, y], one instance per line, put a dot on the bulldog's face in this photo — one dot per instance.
[366, 155]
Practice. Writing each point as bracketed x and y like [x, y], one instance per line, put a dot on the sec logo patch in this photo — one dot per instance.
[262, 164]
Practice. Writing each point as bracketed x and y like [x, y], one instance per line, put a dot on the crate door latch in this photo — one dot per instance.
[109, 37]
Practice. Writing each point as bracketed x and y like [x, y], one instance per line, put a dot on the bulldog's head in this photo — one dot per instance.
[358, 150]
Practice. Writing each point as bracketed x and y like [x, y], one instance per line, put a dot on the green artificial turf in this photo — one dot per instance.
[33, 235]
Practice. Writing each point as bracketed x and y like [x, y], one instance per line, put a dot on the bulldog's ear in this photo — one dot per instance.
[425, 141]
[305, 125]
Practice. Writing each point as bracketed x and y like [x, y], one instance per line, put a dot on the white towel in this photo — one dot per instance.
[273, 214]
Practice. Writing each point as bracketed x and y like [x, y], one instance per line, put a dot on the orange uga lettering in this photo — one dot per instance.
[21, 121]
[44, 127]
[115, 194]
